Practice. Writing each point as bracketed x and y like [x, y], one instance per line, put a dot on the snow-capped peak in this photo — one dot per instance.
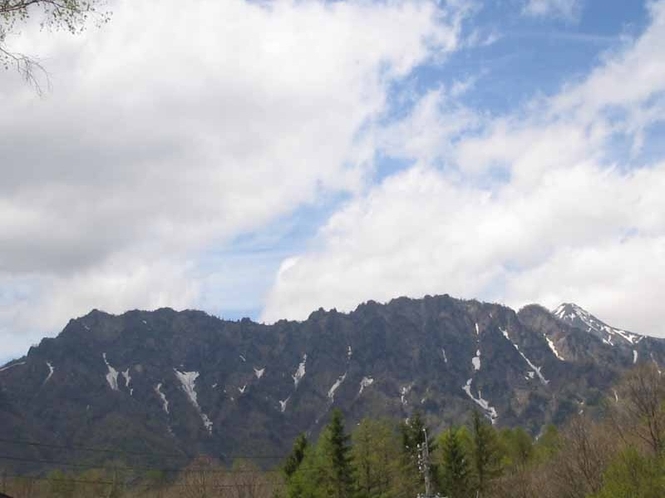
[582, 319]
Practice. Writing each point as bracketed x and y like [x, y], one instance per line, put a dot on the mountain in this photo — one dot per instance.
[164, 386]
[582, 319]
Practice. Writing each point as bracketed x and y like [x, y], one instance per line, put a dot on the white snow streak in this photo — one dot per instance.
[259, 372]
[165, 402]
[242, 389]
[188, 380]
[300, 373]
[365, 382]
[128, 379]
[655, 363]
[12, 366]
[616, 396]
[445, 358]
[483, 403]
[50, 372]
[475, 361]
[242, 358]
[282, 404]
[331, 391]
[550, 343]
[534, 368]
[403, 392]
[112, 375]
[206, 422]
[349, 353]
[477, 329]
[634, 356]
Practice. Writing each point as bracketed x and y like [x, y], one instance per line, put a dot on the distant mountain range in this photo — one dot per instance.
[172, 383]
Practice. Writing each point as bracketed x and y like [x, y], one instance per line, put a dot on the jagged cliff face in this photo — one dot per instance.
[187, 383]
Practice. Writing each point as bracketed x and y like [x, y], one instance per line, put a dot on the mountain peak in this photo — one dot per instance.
[578, 317]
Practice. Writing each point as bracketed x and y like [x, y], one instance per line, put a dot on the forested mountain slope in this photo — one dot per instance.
[187, 383]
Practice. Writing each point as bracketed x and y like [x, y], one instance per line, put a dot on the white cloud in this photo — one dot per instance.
[563, 9]
[173, 128]
[565, 219]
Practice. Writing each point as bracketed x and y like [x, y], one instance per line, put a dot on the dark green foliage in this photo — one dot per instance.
[297, 455]
[325, 470]
[455, 469]
[485, 453]
[337, 447]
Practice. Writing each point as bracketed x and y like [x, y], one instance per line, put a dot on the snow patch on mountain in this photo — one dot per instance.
[259, 372]
[128, 379]
[7, 367]
[365, 382]
[576, 316]
[489, 410]
[335, 386]
[300, 372]
[282, 404]
[188, 381]
[112, 374]
[50, 372]
[634, 357]
[404, 393]
[534, 369]
[162, 396]
[445, 357]
[475, 361]
[655, 363]
[550, 343]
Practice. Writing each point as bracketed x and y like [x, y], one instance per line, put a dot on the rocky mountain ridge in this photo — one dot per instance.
[186, 383]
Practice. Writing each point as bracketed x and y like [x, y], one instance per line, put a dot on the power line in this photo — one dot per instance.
[87, 448]
[128, 452]
[114, 483]
[128, 468]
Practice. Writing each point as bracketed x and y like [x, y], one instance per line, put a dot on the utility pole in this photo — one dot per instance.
[424, 467]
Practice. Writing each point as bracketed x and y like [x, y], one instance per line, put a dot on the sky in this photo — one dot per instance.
[268, 158]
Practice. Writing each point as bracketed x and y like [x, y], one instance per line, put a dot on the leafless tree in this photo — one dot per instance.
[586, 450]
[639, 413]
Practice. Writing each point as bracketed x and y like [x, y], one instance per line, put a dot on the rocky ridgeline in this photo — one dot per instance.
[184, 383]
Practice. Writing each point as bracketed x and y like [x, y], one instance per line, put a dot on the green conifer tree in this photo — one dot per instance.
[485, 454]
[296, 456]
[455, 471]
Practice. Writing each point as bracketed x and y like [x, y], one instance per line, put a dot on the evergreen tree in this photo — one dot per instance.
[337, 448]
[325, 470]
[455, 472]
[486, 453]
[296, 456]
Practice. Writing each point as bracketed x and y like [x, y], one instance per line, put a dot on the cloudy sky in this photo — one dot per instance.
[267, 158]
